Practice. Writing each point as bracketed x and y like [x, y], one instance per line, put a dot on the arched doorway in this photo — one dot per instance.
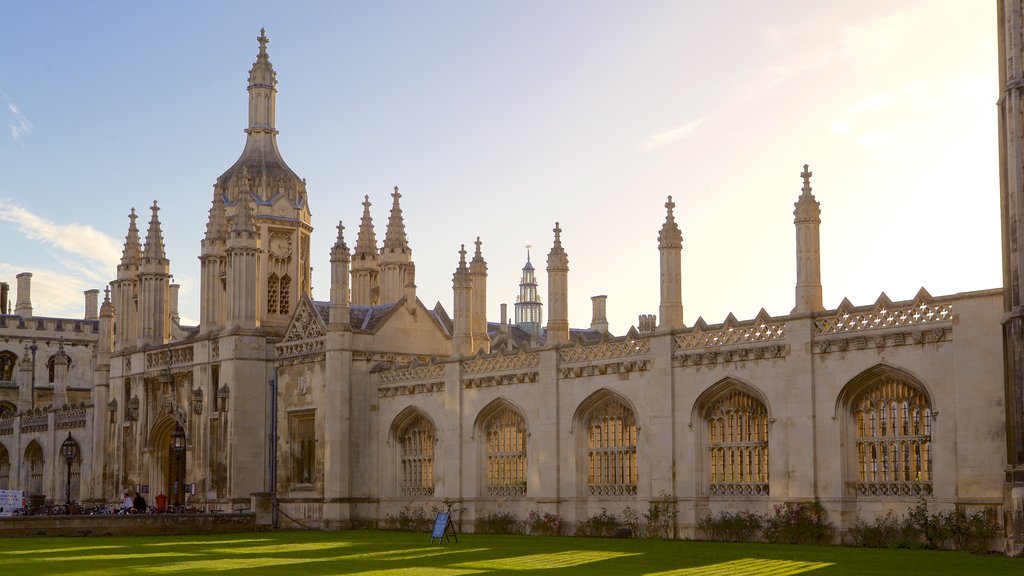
[34, 469]
[174, 478]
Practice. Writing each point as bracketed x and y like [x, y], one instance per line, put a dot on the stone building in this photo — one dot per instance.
[370, 402]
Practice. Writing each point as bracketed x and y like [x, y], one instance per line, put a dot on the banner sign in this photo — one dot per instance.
[11, 500]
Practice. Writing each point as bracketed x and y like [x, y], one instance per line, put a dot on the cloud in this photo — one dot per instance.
[77, 240]
[671, 135]
[20, 124]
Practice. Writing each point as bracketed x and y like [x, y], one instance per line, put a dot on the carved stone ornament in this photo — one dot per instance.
[197, 401]
[132, 415]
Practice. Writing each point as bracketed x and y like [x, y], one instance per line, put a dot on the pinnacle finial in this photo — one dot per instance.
[396, 192]
[341, 229]
[132, 215]
[106, 294]
[670, 205]
[806, 175]
[462, 255]
[558, 233]
[263, 40]
[478, 243]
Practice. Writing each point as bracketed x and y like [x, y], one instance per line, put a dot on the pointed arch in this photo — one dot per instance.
[33, 468]
[502, 429]
[7, 409]
[415, 436]
[160, 433]
[886, 415]
[607, 444]
[8, 363]
[733, 433]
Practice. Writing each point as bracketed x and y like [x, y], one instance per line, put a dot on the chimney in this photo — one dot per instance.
[92, 304]
[23, 307]
[600, 320]
[4, 291]
[504, 318]
[175, 317]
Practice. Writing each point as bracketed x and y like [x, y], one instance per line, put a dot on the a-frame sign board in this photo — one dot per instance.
[443, 528]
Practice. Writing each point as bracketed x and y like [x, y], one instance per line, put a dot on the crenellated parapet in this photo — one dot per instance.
[414, 378]
[923, 320]
[731, 341]
[42, 324]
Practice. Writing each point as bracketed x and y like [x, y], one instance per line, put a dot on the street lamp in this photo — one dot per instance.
[178, 440]
[69, 449]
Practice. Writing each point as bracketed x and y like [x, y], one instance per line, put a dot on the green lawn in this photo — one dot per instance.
[391, 553]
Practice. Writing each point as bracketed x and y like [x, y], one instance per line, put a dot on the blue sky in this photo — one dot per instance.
[498, 118]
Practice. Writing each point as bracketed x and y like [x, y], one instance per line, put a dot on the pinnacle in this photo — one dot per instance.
[339, 252]
[366, 240]
[132, 252]
[670, 235]
[395, 239]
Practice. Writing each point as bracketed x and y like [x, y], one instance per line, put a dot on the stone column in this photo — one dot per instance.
[23, 307]
[558, 291]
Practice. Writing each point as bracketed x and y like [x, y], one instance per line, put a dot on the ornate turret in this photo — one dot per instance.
[125, 287]
[478, 321]
[213, 263]
[529, 312]
[558, 291]
[340, 257]
[154, 286]
[462, 338]
[395, 255]
[243, 251]
[807, 218]
[280, 211]
[670, 247]
[366, 262]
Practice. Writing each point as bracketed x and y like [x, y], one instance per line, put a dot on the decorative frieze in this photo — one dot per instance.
[712, 357]
[885, 314]
[180, 356]
[35, 422]
[7, 426]
[613, 490]
[301, 348]
[909, 488]
[605, 350]
[407, 389]
[70, 418]
[622, 367]
[760, 330]
[407, 374]
[884, 340]
[501, 362]
[500, 380]
[738, 489]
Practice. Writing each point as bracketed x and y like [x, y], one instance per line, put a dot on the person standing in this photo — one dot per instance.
[139, 504]
[126, 503]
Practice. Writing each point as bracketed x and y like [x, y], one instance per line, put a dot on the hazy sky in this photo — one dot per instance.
[499, 118]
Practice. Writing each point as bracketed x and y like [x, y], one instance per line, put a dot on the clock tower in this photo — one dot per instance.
[281, 217]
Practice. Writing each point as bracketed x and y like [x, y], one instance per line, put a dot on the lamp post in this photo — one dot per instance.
[69, 449]
[33, 348]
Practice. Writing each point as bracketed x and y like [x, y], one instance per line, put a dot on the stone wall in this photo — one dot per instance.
[138, 525]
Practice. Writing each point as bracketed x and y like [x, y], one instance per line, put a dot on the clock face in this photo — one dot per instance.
[280, 245]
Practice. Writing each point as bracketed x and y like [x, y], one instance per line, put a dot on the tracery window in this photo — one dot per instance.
[894, 440]
[286, 286]
[611, 449]
[273, 295]
[737, 427]
[303, 445]
[416, 444]
[5, 469]
[505, 432]
[8, 360]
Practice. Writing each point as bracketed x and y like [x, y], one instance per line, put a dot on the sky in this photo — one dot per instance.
[498, 118]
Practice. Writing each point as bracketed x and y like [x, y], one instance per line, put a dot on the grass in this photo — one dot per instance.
[375, 553]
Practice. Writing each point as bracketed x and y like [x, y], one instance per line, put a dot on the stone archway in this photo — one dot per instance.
[168, 442]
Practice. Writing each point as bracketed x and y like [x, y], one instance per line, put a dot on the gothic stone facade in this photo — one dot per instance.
[370, 402]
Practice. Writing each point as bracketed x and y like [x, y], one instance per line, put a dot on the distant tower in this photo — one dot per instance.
[807, 218]
[528, 309]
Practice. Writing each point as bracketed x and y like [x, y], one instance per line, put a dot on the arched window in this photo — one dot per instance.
[416, 449]
[5, 468]
[611, 449]
[286, 287]
[505, 433]
[7, 409]
[273, 293]
[737, 443]
[893, 430]
[8, 362]
[34, 469]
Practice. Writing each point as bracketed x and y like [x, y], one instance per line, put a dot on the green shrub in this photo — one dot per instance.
[889, 531]
[604, 524]
[742, 526]
[408, 519]
[497, 523]
[545, 524]
[972, 533]
[799, 523]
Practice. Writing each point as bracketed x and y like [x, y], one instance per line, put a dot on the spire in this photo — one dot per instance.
[132, 253]
[807, 208]
[217, 225]
[670, 236]
[557, 257]
[395, 239]
[107, 308]
[154, 249]
[462, 260]
[339, 252]
[366, 241]
[262, 86]
[242, 223]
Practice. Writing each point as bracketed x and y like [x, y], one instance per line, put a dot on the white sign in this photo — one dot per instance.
[11, 500]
